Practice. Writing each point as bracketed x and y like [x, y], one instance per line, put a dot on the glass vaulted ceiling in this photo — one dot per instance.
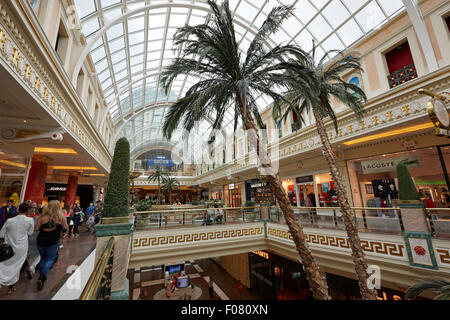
[137, 36]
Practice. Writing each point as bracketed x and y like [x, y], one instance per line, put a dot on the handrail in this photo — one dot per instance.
[94, 283]
[191, 210]
[244, 208]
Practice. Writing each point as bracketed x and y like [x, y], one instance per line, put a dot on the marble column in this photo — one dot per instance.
[36, 180]
[71, 189]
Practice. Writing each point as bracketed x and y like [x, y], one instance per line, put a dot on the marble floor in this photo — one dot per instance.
[146, 282]
[73, 252]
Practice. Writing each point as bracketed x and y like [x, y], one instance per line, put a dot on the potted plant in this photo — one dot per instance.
[142, 219]
[117, 206]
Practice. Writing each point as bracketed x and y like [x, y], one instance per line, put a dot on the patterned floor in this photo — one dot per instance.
[145, 283]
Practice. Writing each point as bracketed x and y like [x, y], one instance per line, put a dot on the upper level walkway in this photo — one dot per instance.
[177, 235]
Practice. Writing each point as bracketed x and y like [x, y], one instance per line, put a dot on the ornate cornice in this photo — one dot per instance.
[18, 54]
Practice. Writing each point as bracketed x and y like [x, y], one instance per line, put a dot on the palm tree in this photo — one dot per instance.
[170, 184]
[158, 174]
[232, 80]
[438, 285]
[311, 87]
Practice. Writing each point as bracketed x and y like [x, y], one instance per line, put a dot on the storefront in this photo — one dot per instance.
[276, 276]
[342, 288]
[258, 191]
[374, 179]
[316, 190]
[233, 194]
[289, 188]
[56, 191]
[12, 176]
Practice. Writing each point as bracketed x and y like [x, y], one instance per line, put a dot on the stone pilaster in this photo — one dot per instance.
[122, 233]
[413, 217]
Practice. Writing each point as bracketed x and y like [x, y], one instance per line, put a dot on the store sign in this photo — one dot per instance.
[231, 186]
[258, 185]
[304, 179]
[57, 189]
[388, 164]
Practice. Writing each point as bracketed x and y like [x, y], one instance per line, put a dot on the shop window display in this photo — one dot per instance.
[326, 192]
[374, 181]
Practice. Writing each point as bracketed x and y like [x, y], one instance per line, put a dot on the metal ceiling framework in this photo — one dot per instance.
[130, 43]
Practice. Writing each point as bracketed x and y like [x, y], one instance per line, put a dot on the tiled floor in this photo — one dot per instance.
[73, 252]
[145, 282]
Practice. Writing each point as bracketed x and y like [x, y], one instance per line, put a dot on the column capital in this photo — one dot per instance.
[42, 158]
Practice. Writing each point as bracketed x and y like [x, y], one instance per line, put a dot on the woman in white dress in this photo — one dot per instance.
[15, 232]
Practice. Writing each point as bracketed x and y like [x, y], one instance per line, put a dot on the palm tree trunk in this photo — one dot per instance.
[159, 191]
[349, 220]
[316, 281]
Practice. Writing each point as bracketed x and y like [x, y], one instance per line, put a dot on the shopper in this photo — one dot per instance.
[240, 289]
[15, 232]
[7, 212]
[33, 253]
[211, 287]
[68, 213]
[77, 212]
[98, 210]
[50, 224]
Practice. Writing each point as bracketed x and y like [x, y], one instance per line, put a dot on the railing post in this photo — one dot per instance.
[402, 228]
[430, 221]
[243, 214]
[160, 219]
[225, 215]
[364, 219]
[183, 217]
[311, 216]
[335, 219]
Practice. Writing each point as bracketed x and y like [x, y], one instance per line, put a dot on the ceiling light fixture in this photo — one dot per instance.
[54, 150]
[14, 164]
[73, 168]
[427, 125]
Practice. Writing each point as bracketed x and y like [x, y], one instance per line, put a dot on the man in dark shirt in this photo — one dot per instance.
[98, 210]
[7, 212]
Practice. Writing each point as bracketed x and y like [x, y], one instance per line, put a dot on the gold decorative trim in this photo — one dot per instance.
[444, 255]
[196, 236]
[392, 249]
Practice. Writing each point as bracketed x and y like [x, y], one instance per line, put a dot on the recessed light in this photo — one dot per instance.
[24, 121]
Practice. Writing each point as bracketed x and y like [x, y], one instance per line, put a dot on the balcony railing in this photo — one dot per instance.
[377, 220]
[401, 76]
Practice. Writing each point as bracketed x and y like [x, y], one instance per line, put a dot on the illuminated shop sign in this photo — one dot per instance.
[56, 189]
[304, 179]
[389, 164]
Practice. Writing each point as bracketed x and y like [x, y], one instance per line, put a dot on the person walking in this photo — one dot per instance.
[77, 211]
[33, 253]
[7, 212]
[50, 224]
[88, 213]
[15, 232]
[240, 289]
[211, 287]
[98, 210]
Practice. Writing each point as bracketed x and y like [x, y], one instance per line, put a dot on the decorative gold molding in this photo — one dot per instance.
[386, 248]
[196, 236]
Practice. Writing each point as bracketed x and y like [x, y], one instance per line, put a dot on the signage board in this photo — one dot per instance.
[387, 164]
[231, 186]
[304, 179]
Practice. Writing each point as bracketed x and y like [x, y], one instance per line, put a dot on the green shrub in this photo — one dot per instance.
[195, 202]
[117, 193]
[143, 205]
